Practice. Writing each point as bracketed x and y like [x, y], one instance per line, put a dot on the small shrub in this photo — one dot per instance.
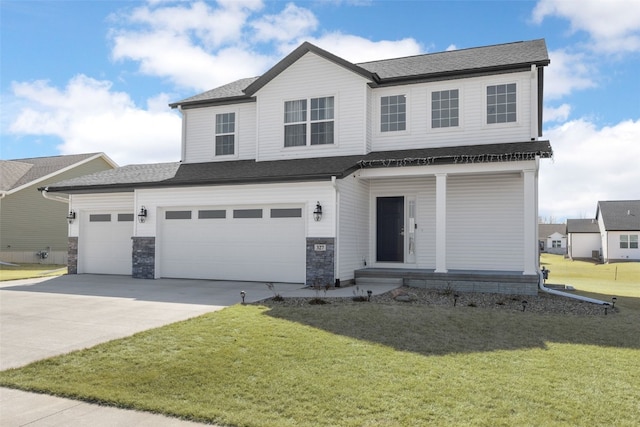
[472, 304]
[276, 296]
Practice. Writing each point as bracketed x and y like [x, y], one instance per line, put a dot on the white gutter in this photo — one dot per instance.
[565, 294]
[55, 198]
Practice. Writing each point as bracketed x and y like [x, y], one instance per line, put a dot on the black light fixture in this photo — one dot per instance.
[242, 295]
[142, 215]
[369, 292]
[317, 214]
[613, 301]
[71, 216]
[455, 299]
[524, 305]
[606, 306]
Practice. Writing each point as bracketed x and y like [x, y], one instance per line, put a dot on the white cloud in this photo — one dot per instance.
[566, 73]
[589, 165]
[614, 25]
[358, 49]
[89, 117]
[292, 23]
[556, 114]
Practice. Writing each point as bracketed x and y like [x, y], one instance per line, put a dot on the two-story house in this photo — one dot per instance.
[421, 169]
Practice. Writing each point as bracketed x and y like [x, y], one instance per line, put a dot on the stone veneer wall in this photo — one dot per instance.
[72, 256]
[144, 257]
[320, 263]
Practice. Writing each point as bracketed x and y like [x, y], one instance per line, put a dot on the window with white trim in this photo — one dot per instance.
[313, 128]
[628, 241]
[445, 108]
[501, 103]
[225, 134]
[556, 243]
[393, 113]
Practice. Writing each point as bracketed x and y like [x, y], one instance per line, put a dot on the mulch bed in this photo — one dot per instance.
[542, 303]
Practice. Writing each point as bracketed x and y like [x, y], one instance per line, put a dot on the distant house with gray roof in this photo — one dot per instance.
[322, 171]
[613, 235]
[619, 223]
[552, 238]
[32, 228]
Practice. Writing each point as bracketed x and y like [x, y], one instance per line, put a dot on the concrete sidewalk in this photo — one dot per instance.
[45, 317]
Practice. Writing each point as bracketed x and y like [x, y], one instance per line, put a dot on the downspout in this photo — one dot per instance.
[337, 227]
[46, 195]
[566, 294]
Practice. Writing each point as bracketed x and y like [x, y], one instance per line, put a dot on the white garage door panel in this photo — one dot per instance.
[106, 247]
[252, 249]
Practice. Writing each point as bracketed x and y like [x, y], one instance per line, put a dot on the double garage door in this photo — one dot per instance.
[251, 244]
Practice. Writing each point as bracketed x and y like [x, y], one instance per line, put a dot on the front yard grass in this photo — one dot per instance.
[596, 280]
[29, 271]
[364, 365]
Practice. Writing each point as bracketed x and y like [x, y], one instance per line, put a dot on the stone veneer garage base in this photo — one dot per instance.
[462, 281]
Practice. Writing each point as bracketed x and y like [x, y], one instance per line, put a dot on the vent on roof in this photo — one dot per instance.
[629, 212]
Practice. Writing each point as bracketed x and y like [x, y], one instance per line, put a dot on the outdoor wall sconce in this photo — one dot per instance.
[317, 214]
[71, 216]
[142, 215]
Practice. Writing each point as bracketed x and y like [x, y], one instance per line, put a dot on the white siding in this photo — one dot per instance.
[613, 250]
[312, 76]
[84, 204]
[581, 245]
[353, 227]
[473, 128]
[485, 222]
[200, 132]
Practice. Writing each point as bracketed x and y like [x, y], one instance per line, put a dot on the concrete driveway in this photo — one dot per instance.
[40, 318]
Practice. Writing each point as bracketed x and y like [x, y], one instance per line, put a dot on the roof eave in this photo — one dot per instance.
[213, 102]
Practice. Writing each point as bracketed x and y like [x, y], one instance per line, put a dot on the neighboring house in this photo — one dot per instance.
[611, 236]
[422, 170]
[619, 223]
[552, 238]
[32, 228]
[583, 239]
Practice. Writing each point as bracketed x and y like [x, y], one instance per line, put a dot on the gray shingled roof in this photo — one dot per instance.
[620, 215]
[486, 57]
[589, 225]
[546, 230]
[18, 172]
[127, 177]
[429, 66]
[309, 169]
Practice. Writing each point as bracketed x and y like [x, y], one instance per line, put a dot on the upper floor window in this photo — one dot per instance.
[225, 134]
[393, 113]
[315, 128]
[444, 108]
[501, 103]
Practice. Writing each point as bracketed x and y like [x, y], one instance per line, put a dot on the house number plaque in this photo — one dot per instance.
[320, 247]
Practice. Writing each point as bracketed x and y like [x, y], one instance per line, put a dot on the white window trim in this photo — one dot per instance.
[460, 126]
[236, 134]
[486, 125]
[378, 114]
[308, 146]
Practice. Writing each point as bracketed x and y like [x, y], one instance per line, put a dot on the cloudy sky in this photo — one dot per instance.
[96, 76]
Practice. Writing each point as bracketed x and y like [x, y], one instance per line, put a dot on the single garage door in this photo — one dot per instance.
[251, 244]
[105, 245]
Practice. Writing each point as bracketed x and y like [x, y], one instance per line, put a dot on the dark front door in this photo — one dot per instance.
[390, 229]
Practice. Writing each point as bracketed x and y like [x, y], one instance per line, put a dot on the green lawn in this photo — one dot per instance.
[28, 271]
[364, 365]
[597, 280]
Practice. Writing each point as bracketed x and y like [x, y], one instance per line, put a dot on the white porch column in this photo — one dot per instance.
[441, 223]
[530, 221]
